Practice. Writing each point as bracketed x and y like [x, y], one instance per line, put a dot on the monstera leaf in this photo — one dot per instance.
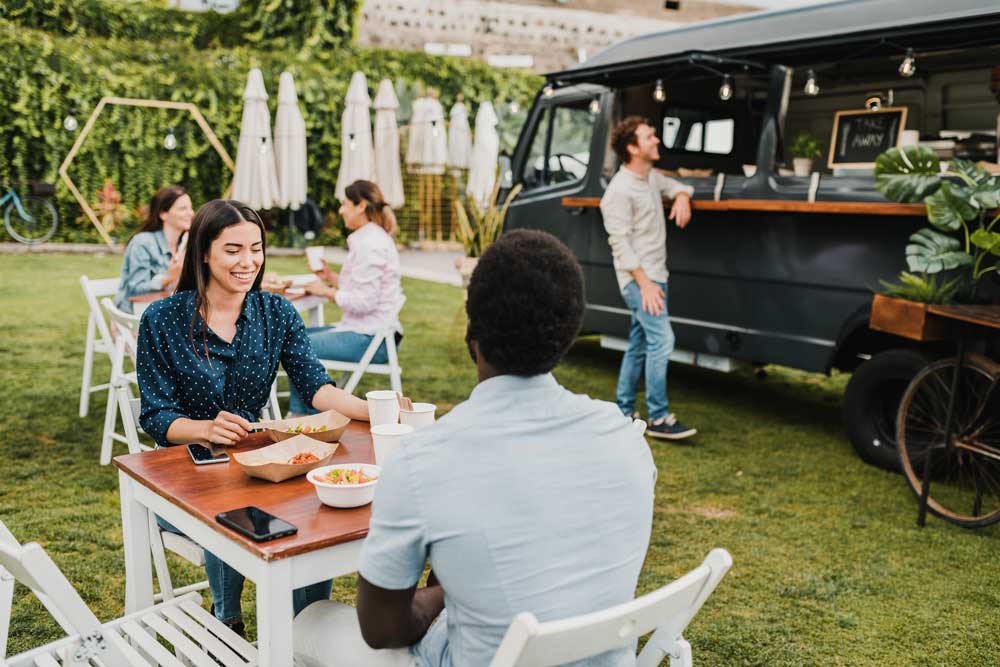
[988, 241]
[907, 174]
[931, 252]
[949, 206]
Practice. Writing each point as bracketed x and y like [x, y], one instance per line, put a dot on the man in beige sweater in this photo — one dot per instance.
[632, 208]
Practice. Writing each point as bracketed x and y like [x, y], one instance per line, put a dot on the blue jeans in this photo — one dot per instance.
[650, 342]
[226, 585]
[328, 343]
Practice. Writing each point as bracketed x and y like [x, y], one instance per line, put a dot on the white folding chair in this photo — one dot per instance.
[668, 611]
[176, 633]
[126, 331]
[159, 539]
[640, 426]
[98, 334]
[365, 365]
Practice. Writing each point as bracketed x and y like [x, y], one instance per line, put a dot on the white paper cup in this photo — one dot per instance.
[314, 256]
[383, 407]
[386, 439]
[421, 415]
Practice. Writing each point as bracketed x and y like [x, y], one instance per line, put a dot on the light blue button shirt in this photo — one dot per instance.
[143, 268]
[526, 497]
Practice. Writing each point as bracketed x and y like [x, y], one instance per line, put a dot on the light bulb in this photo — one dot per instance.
[548, 90]
[69, 123]
[310, 235]
[351, 143]
[595, 106]
[908, 67]
[811, 88]
[170, 141]
[658, 93]
[726, 89]
[264, 148]
[514, 106]
[434, 128]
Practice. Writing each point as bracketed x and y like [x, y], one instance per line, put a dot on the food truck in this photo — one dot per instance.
[780, 260]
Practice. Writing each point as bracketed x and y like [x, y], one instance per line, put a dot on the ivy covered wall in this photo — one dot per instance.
[164, 54]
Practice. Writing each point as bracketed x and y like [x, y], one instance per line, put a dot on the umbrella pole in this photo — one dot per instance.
[451, 209]
[437, 206]
[420, 206]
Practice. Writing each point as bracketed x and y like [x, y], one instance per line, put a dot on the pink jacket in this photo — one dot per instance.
[370, 293]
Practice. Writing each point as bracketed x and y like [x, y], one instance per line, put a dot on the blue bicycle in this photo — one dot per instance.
[32, 219]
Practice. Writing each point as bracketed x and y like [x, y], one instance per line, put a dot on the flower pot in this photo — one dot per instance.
[465, 266]
[803, 165]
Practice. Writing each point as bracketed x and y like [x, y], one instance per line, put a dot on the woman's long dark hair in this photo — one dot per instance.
[376, 209]
[208, 223]
[161, 202]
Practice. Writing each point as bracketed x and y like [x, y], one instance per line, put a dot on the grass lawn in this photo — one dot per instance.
[829, 566]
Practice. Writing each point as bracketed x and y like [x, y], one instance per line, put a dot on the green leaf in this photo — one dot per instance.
[948, 207]
[907, 174]
[930, 251]
[988, 241]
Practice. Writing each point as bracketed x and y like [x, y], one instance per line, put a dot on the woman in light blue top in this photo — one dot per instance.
[152, 262]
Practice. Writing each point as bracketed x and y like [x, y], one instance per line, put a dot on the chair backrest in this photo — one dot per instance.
[640, 426]
[129, 408]
[32, 567]
[93, 290]
[668, 610]
[125, 328]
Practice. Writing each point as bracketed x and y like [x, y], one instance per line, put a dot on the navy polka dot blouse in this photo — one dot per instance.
[176, 380]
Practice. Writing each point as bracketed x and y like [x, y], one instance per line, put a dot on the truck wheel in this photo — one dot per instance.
[871, 402]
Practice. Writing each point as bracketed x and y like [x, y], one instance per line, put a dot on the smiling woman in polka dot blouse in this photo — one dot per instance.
[207, 357]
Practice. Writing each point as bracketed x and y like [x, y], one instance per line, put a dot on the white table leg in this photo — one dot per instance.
[274, 615]
[316, 315]
[135, 534]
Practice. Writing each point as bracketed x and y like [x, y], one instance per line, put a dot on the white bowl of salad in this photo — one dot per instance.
[345, 484]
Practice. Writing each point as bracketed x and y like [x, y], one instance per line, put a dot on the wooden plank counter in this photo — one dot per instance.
[781, 206]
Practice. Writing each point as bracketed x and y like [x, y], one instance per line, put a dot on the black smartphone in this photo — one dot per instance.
[255, 523]
[202, 455]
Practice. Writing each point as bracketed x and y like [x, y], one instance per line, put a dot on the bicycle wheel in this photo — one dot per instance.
[40, 224]
[965, 475]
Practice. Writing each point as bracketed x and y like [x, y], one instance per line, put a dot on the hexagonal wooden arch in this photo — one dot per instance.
[125, 101]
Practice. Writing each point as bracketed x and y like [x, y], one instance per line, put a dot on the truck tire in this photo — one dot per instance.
[871, 402]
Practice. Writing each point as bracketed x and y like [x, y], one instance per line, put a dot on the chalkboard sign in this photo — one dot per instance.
[860, 136]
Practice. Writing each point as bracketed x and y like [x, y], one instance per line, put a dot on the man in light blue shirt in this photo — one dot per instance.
[526, 497]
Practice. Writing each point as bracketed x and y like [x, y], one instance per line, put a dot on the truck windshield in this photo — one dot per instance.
[560, 146]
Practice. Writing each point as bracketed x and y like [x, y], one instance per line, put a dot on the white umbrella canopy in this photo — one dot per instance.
[459, 138]
[255, 182]
[428, 149]
[290, 145]
[485, 153]
[388, 175]
[357, 155]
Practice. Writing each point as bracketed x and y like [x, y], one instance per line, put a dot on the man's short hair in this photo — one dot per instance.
[623, 136]
[525, 304]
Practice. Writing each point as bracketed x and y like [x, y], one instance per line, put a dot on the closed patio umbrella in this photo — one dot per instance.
[485, 153]
[428, 149]
[459, 138]
[255, 182]
[388, 175]
[356, 151]
[290, 145]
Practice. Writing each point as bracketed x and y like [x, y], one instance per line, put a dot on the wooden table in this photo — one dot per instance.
[327, 545]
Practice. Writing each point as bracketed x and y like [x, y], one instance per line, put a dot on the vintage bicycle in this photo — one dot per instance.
[32, 219]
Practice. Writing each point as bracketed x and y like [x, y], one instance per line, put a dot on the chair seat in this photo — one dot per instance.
[183, 547]
[173, 634]
[333, 365]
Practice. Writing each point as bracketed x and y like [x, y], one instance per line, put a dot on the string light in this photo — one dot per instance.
[514, 106]
[548, 90]
[595, 106]
[658, 93]
[726, 89]
[908, 67]
[69, 122]
[170, 141]
[264, 148]
[811, 88]
[352, 144]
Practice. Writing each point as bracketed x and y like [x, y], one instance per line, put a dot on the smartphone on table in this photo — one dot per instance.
[202, 455]
[255, 523]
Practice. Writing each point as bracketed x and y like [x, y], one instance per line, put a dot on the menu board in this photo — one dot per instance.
[860, 136]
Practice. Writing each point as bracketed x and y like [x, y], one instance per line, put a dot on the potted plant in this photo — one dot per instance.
[478, 227]
[963, 236]
[804, 149]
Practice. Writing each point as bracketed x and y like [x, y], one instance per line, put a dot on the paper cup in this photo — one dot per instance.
[383, 407]
[314, 256]
[386, 439]
[421, 415]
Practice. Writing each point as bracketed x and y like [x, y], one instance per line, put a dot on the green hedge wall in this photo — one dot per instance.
[46, 74]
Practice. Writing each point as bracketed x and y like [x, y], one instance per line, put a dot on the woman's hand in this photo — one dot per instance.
[225, 429]
[328, 274]
[319, 288]
[173, 271]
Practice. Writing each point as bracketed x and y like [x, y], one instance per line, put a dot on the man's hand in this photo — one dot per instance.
[226, 429]
[652, 297]
[680, 212]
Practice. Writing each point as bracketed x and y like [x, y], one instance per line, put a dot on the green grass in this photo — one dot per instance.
[829, 566]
